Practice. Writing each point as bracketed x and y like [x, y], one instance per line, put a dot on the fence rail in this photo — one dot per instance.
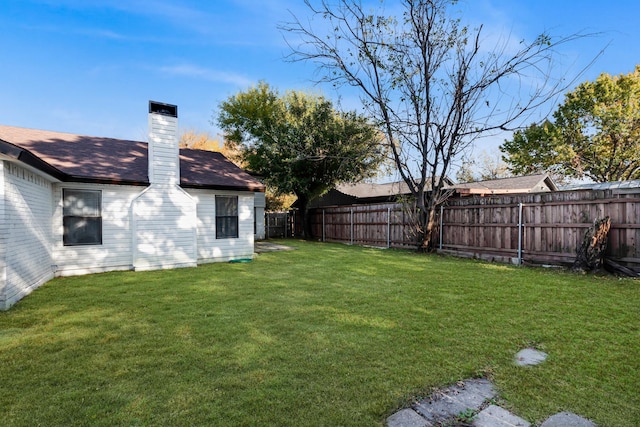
[533, 228]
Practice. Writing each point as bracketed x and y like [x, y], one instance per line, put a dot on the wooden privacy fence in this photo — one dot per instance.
[539, 227]
[533, 228]
[385, 225]
[278, 225]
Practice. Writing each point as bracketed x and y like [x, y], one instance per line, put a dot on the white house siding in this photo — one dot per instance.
[164, 164]
[211, 249]
[115, 252]
[164, 229]
[4, 234]
[25, 232]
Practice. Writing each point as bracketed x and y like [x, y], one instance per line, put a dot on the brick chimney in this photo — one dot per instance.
[164, 160]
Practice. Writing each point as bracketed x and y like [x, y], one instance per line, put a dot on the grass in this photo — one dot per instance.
[326, 335]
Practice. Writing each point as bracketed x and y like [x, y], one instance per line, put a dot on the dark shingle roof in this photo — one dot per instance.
[78, 158]
[201, 168]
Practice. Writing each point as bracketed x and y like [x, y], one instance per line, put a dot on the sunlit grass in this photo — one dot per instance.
[323, 335]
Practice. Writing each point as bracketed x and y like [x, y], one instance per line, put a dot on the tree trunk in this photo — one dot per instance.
[591, 252]
[305, 218]
[428, 227]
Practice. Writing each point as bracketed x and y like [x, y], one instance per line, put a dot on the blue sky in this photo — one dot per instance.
[91, 66]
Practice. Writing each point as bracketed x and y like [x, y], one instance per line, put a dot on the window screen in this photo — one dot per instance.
[226, 217]
[81, 217]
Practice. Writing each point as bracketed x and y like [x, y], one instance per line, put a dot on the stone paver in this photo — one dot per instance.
[447, 404]
[407, 418]
[530, 356]
[450, 402]
[495, 416]
[567, 419]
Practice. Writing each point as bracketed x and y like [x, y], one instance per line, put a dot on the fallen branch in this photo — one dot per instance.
[614, 267]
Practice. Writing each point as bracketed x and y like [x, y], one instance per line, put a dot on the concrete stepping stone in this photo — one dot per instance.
[446, 405]
[567, 419]
[450, 402]
[407, 418]
[495, 416]
[530, 356]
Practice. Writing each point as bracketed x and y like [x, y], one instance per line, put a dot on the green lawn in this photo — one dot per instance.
[326, 335]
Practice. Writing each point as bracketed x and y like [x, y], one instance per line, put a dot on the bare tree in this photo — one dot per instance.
[485, 166]
[428, 81]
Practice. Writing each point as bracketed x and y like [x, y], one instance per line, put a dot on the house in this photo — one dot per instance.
[72, 204]
[518, 184]
[363, 193]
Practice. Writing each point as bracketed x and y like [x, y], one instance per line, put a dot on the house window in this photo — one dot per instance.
[81, 217]
[226, 217]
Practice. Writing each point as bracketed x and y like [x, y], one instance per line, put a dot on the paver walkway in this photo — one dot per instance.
[264, 246]
[472, 400]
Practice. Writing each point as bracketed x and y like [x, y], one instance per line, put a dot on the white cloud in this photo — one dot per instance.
[195, 71]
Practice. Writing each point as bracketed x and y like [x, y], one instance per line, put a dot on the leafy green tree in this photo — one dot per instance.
[432, 83]
[299, 143]
[278, 202]
[595, 133]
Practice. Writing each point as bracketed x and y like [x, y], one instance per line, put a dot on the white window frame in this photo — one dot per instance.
[227, 220]
[86, 219]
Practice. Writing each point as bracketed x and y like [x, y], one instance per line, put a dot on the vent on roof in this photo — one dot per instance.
[163, 109]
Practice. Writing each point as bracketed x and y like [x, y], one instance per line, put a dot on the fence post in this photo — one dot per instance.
[323, 225]
[441, 213]
[388, 227]
[520, 227]
[351, 226]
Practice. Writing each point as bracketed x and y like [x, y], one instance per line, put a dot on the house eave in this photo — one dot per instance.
[104, 181]
[250, 188]
[26, 157]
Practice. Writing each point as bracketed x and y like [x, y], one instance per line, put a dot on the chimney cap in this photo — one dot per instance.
[163, 109]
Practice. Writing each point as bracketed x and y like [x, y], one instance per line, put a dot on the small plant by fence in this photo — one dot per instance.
[535, 228]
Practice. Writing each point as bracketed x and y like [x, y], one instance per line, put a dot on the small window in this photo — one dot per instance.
[226, 217]
[81, 217]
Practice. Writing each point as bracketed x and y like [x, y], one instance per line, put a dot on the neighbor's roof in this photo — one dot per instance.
[517, 184]
[632, 185]
[76, 158]
[363, 190]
